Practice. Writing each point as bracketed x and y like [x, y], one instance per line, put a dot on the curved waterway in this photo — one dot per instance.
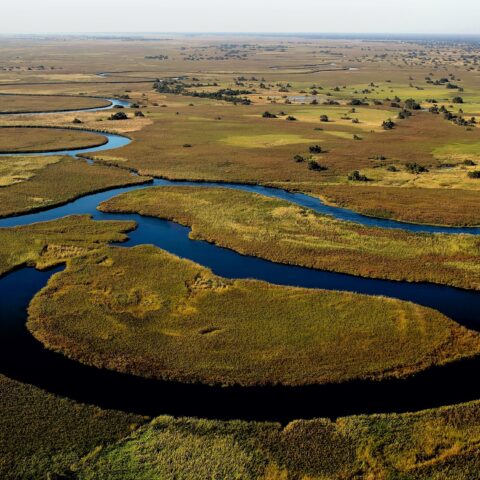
[113, 103]
[25, 359]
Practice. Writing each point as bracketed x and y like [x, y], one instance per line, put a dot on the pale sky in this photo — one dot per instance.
[316, 16]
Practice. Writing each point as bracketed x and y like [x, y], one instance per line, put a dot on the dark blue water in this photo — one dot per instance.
[24, 359]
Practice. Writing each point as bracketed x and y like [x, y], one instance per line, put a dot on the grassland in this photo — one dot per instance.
[52, 181]
[47, 103]
[144, 311]
[42, 435]
[283, 232]
[434, 444]
[234, 143]
[46, 244]
[35, 140]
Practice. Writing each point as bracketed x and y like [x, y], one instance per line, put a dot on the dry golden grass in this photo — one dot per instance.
[56, 183]
[46, 244]
[35, 140]
[44, 103]
[18, 169]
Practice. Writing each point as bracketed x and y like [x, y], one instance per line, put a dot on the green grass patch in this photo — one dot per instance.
[264, 141]
[284, 232]
[145, 311]
[434, 444]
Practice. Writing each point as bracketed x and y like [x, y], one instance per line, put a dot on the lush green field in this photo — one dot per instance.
[283, 232]
[435, 445]
[41, 434]
[47, 103]
[145, 311]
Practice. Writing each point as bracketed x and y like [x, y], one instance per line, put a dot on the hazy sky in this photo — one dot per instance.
[368, 16]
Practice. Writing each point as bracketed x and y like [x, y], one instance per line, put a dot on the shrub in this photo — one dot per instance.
[299, 158]
[324, 118]
[470, 163]
[457, 100]
[315, 149]
[356, 176]
[290, 118]
[388, 124]
[77, 120]
[314, 165]
[118, 116]
[411, 104]
[138, 113]
[414, 167]
[404, 114]
[268, 115]
[474, 174]
[356, 101]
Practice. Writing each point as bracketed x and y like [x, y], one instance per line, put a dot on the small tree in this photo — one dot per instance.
[268, 115]
[356, 176]
[315, 149]
[411, 104]
[118, 116]
[414, 167]
[314, 165]
[388, 124]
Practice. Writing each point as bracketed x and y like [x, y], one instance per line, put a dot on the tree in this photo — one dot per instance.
[324, 118]
[414, 167]
[457, 100]
[315, 149]
[118, 116]
[411, 104]
[314, 165]
[388, 124]
[268, 115]
[356, 176]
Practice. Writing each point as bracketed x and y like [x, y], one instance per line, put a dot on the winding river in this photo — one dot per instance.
[24, 359]
[113, 103]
